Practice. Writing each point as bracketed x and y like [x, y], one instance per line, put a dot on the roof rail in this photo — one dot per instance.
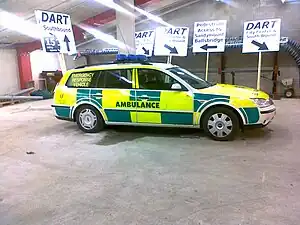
[114, 62]
[94, 64]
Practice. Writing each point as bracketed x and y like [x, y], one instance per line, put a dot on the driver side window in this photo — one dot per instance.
[156, 80]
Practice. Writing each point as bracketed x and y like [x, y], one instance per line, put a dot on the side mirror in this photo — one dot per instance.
[176, 87]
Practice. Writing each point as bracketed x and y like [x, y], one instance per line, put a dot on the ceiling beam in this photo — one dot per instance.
[100, 19]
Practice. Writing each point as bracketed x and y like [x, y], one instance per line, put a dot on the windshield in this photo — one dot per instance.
[191, 79]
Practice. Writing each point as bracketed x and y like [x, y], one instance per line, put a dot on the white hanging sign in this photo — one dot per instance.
[209, 36]
[56, 32]
[171, 41]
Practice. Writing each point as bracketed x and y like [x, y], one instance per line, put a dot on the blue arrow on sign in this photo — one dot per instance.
[67, 41]
[147, 52]
[172, 50]
[262, 46]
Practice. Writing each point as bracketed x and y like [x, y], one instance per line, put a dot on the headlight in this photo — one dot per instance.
[263, 103]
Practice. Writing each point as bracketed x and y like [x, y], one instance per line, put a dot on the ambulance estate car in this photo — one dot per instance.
[133, 91]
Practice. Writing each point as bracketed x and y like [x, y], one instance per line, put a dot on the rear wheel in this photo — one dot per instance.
[220, 124]
[89, 120]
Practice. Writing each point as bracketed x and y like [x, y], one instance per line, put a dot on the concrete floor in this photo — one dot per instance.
[146, 176]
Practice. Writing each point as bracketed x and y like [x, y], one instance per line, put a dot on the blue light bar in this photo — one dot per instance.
[142, 58]
[131, 58]
[121, 57]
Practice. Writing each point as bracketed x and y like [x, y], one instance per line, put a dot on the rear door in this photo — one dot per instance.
[157, 103]
[117, 95]
[111, 91]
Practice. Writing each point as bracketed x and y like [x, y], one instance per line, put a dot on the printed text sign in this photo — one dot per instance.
[261, 36]
[209, 36]
[171, 41]
[144, 42]
[56, 32]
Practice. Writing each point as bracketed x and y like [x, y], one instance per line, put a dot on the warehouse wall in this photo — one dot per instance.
[9, 71]
[236, 13]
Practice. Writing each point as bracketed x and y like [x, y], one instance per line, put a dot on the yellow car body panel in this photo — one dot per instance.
[161, 107]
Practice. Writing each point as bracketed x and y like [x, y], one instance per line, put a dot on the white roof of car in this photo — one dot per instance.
[164, 65]
[103, 66]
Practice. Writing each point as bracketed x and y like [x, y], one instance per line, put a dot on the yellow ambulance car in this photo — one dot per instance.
[142, 93]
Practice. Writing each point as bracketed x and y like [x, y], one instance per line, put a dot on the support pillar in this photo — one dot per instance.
[223, 63]
[126, 27]
[275, 74]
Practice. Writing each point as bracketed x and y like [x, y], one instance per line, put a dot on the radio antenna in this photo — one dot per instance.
[128, 52]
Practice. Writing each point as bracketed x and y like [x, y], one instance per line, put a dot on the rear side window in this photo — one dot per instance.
[81, 79]
[118, 79]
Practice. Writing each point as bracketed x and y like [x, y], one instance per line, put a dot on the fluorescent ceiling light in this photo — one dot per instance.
[105, 37]
[149, 15]
[13, 22]
[229, 2]
[112, 5]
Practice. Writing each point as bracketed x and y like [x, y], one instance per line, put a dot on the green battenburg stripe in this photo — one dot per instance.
[252, 115]
[207, 97]
[62, 111]
[210, 102]
[87, 95]
[132, 95]
[197, 105]
[96, 102]
[83, 91]
[93, 91]
[177, 118]
[244, 114]
[118, 115]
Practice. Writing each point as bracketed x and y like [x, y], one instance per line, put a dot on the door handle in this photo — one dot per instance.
[144, 97]
[98, 95]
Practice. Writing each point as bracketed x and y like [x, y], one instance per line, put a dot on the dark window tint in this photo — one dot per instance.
[155, 80]
[98, 80]
[81, 79]
[120, 79]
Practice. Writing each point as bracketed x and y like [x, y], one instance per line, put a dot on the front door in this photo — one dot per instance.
[158, 103]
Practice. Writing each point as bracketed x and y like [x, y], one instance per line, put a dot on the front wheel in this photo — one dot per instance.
[221, 124]
[89, 120]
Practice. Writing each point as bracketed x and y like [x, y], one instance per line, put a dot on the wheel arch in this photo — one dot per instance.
[78, 105]
[240, 116]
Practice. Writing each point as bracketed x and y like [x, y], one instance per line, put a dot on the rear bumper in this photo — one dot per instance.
[62, 112]
[65, 119]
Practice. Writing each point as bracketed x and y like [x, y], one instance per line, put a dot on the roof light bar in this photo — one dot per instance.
[131, 58]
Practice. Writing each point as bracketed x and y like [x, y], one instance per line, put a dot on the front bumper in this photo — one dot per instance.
[267, 115]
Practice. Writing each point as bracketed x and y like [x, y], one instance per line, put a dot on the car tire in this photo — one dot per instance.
[221, 124]
[89, 119]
